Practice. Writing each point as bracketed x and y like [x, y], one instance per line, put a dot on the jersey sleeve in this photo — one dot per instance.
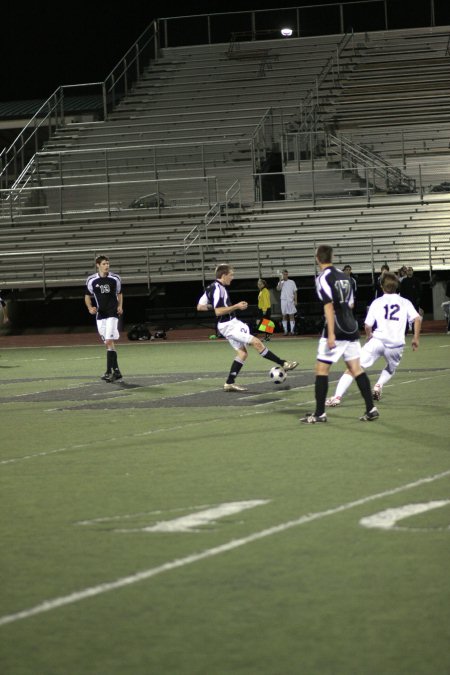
[412, 312]
[370, 318]
[323, 289]
[203, 300]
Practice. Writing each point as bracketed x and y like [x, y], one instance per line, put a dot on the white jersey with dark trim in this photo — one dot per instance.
[334, 286]
[388, 316]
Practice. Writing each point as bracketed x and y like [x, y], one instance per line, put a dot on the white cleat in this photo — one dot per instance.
[376, 394]
[333, 402]
[234, 387]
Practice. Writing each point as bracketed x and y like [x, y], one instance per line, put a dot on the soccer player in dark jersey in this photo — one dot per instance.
[340, 336]
[235, 331]
[105, 288]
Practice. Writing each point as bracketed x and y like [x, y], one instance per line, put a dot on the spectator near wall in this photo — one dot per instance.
[411, 288]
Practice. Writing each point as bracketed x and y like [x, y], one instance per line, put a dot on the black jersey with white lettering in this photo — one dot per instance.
[105, 291]
[334, 286]
[219, 297]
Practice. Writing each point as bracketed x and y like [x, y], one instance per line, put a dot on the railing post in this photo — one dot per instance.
[420, 183]
[148, 269]
[105, 103]
[430, 261]
[258, 259]
[60, 187]
[108, 187]
[403, 149]
[44, 284]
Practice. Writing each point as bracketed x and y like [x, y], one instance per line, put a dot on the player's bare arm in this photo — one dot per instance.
[329, 317]
[417, 327]
[120, 304]
[90, 307]
[368, 331]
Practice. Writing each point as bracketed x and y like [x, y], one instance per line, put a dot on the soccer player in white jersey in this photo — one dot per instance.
[288, 299]
[235, 331]
[385, 329]
[105, 288]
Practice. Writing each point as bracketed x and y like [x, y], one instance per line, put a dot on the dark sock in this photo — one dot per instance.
[321, 389]
[234, 371]
[364, 387]
[109, 360]
[115, 365]
[267, 354]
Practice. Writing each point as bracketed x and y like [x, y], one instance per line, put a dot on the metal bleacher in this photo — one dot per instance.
[151, 183]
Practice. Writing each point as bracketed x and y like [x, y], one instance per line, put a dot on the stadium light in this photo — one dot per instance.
[286, 32]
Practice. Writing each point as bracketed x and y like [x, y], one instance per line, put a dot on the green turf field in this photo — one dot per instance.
[161, 526]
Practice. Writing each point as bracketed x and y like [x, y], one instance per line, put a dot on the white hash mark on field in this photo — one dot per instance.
[204, 515]
[387, 520]
[193, 521]
[77, 596]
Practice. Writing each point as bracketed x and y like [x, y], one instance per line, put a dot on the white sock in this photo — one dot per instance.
[343, 384]
[285, 326]
[384, 377]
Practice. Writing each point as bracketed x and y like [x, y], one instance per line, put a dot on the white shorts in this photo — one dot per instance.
[108, 328]
[288, 308]
[236, 332]
[374, 349]
[347, 349]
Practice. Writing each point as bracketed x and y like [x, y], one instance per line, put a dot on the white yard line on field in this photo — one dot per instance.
[78, 596]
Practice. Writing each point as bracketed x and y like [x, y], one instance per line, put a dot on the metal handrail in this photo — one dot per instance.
[393, 175]
[311, 101]
[13, 158]
[434, 254]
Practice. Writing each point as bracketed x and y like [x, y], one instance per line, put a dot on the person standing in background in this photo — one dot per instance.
[378, 291]
[411, 288]
[264, 304]
[348, 271]
[106, 289]
[288, 299]
[4, 309]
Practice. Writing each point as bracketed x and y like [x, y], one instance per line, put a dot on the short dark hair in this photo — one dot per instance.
[101, 258]
[324, 253]
[222, 269]
[389, 282]
[347, 267]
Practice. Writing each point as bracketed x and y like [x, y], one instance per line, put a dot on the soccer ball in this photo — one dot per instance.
[278, 374]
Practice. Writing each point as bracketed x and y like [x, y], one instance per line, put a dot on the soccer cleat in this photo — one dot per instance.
[376, 394]
[333, 402]
[370, 416]
[290, 365]
[116, 375]
[107, 377]
[234, 387]
[312, 419]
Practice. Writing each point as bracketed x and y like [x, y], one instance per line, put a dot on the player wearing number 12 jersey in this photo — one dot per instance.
[385, 325]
